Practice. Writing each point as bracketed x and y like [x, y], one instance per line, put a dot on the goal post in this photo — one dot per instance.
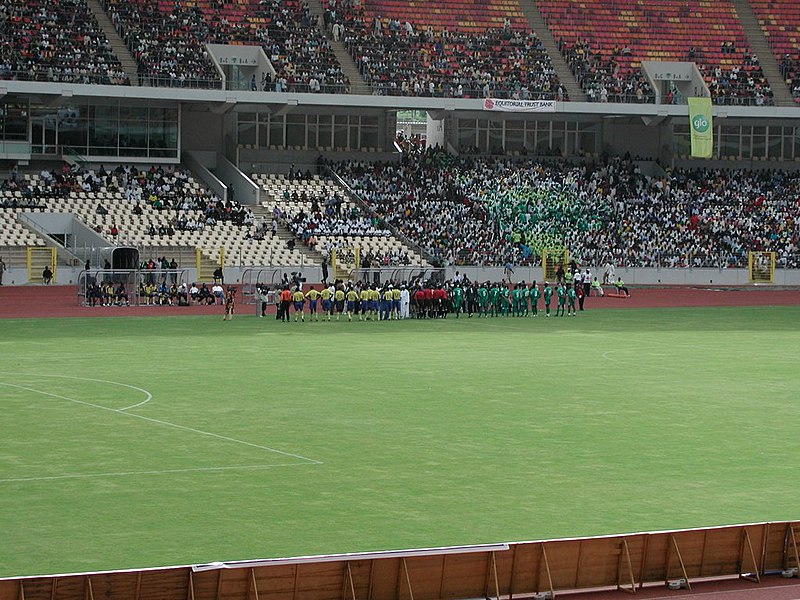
[552, 258]
[345, 262]
[761, 266]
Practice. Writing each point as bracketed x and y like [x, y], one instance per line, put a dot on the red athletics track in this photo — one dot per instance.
[61, 301]
[771, 588]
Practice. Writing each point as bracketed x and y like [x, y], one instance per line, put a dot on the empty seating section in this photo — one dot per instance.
[57, 40]
[320, 215]
[13, 233]
[780, 22]
[607, 41]
[432, 54]
[167, 38]
[467, 16]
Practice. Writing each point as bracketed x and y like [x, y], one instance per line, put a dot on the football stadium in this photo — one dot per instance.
[399, 300]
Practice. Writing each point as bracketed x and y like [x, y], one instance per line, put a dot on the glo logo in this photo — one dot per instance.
[700, 123]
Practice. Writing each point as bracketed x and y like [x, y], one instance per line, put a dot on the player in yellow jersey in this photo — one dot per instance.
[338, 302]
[313, 297]
[299, 299]
[396, 303]
[374, 301]
[364, 303]
[327, 301]
[351, 296]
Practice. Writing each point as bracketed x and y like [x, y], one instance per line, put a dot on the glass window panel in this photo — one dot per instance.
[276, 133]
[325, 132]
[295, 130]
[775, 143]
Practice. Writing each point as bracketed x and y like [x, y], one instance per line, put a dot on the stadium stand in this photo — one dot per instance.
[167, 38]
[163, 209]
[494, 211]
[605, 44]
[55, 41]
[780, 22]
[463, 50]
[321, 217]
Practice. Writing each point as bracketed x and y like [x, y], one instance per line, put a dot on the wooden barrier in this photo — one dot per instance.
[626, 562]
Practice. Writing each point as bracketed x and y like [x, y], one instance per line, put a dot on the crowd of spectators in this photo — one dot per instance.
[169, 41]
[147, 191]
[55, 41]
[790, 71]
[605, 79]
[744, 85]
[169, 189]
[497, 211]
[401, 59]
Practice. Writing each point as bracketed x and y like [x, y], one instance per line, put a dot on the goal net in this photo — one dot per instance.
[345, 262]
[761, 266]
[552, 258]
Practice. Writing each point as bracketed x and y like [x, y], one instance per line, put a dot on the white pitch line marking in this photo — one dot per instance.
[148, 395]
[160, 422]
[154, 472]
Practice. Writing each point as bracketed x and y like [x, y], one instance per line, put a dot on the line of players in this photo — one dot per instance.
[425, 300]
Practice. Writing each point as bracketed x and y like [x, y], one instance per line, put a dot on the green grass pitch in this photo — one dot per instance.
[134, 442]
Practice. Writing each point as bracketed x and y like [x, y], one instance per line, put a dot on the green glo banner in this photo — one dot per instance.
[701, 127]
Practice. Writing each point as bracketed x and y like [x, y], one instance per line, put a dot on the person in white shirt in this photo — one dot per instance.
[405, 299]
[218, 292]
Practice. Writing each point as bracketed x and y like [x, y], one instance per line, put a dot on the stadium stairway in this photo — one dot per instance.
[539, 27]
[118, 47]
[349, 68]
[313, 257]
[760, 47]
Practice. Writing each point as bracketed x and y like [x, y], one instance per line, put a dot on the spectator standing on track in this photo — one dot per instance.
[581, 295]
[608, 272]
[405, 300]
[2, 269]
[587, 284]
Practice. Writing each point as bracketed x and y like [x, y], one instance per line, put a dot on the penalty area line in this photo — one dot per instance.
[151, 472]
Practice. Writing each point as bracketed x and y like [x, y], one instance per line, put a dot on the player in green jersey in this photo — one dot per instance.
[505, 300]
[515, 308]
[561, 293]
[458, 298]
[494, 295]
[571, 295]
[524, 299]
[547, 292]
[483, 300]
[534, 294]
